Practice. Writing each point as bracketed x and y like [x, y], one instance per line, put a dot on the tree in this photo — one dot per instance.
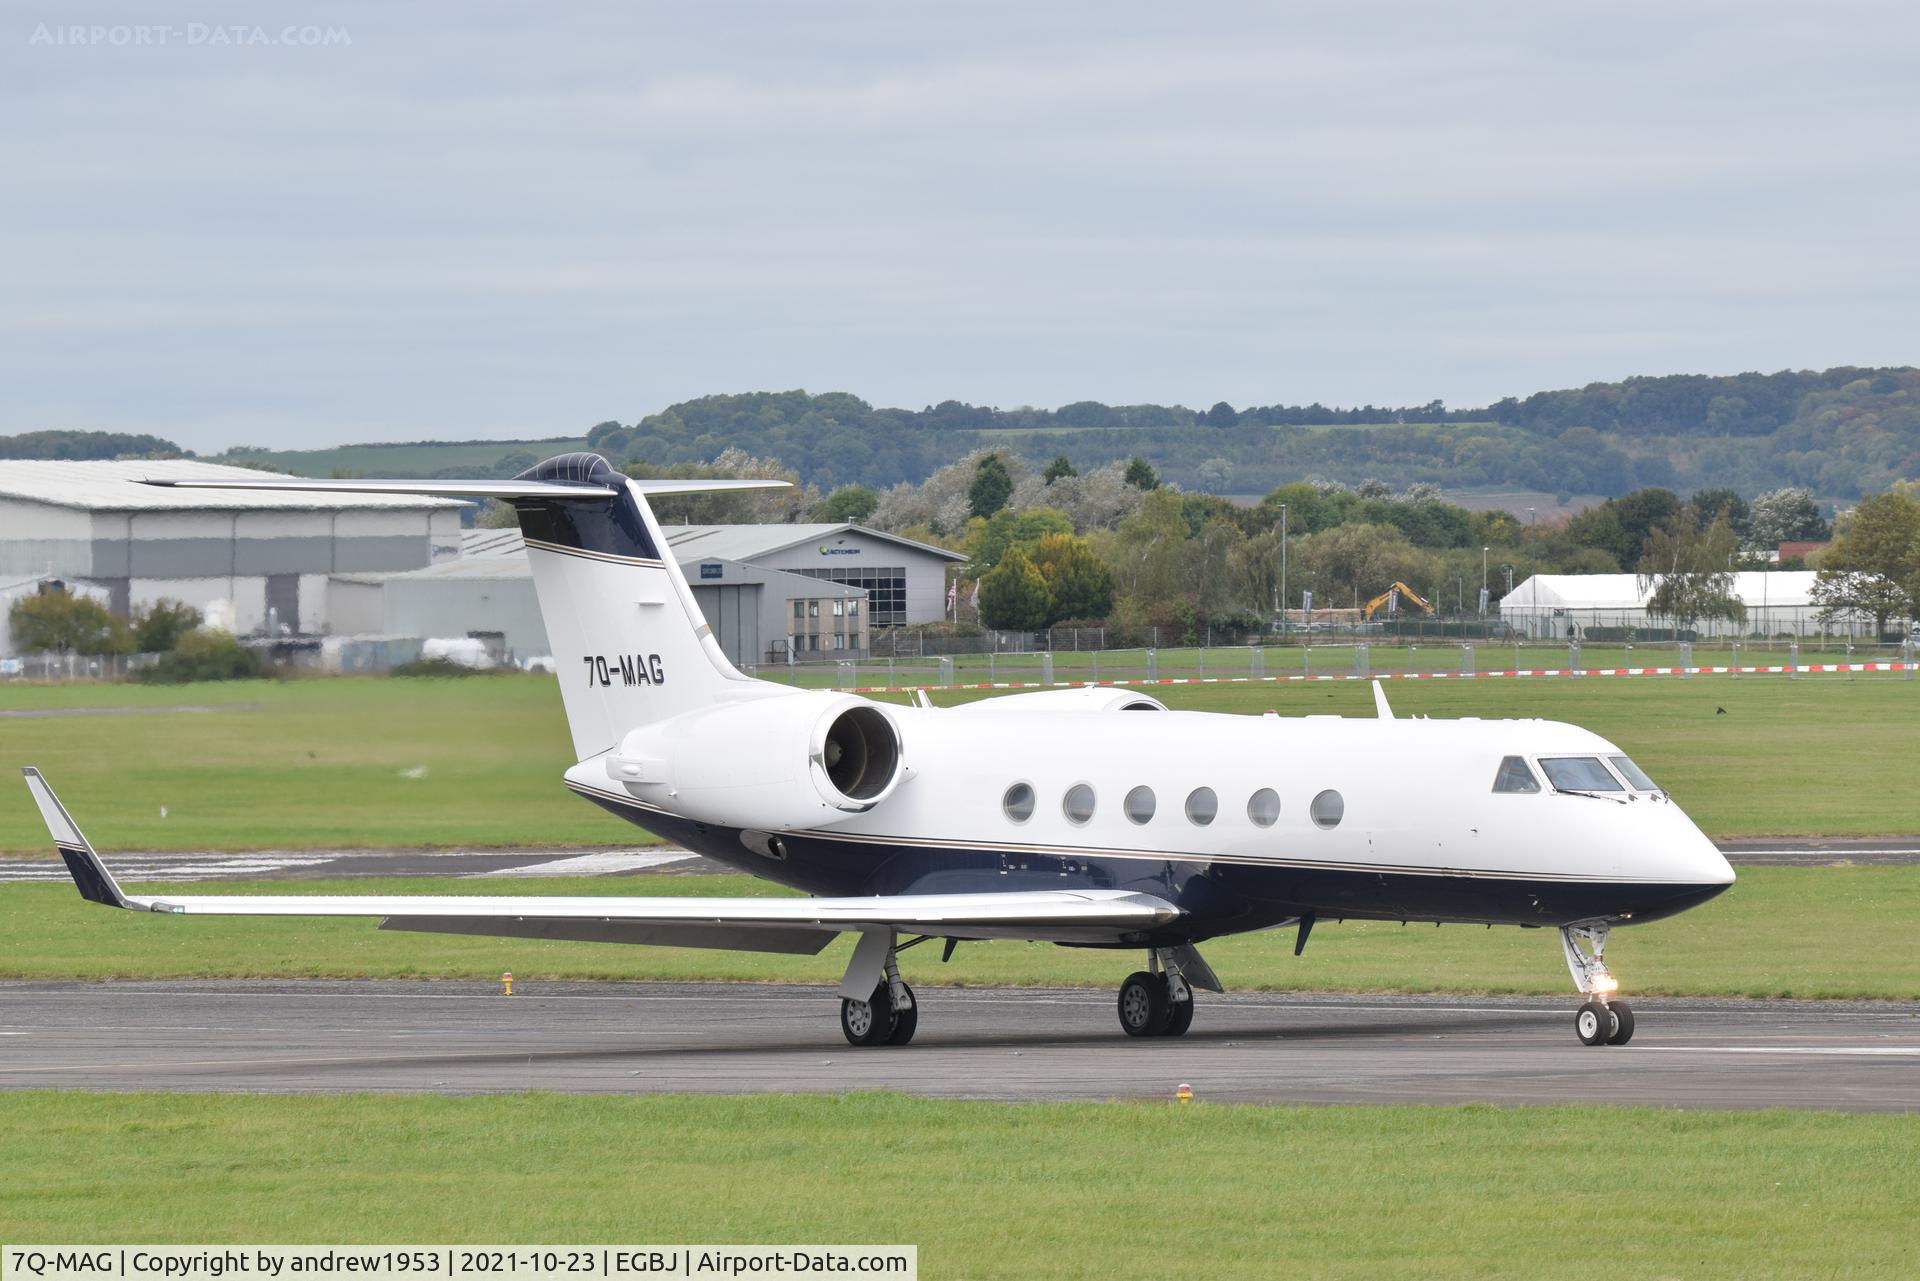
[1873, 566]
[1078, 582]
[61, 622]
[159, 626]
[1354, 563]
[1221, 415]
[1140, 474]
[988, 540]
[1013, 596]
[1060, 468]
[1786, 516]
[1687, 571]
[1709, 503]
[849, 503]
[992, 487]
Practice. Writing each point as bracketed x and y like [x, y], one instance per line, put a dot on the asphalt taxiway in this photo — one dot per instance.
[1029, 1044]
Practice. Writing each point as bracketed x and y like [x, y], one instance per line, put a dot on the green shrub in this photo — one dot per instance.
[202, 655]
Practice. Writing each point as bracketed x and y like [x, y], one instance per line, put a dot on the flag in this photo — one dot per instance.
[1306, 602]
[1393, 601]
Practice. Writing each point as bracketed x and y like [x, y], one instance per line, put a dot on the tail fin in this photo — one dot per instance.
[628, 638]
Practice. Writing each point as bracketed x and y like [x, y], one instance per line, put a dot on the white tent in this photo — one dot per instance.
[1547, 606]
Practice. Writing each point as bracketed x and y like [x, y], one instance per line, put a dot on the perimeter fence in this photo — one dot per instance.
[1355, 660]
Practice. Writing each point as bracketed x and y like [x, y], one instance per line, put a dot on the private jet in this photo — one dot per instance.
[1089, 816]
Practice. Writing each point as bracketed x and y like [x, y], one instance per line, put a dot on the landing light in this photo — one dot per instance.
[1606, 983]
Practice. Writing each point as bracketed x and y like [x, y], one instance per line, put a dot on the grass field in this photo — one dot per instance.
[989, 1190]
[395, 763]
[1779, 932]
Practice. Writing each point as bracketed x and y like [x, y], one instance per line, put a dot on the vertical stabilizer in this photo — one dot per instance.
[629, 640]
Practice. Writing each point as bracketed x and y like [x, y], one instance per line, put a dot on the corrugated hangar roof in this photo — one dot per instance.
[744, 542]
[114, 486]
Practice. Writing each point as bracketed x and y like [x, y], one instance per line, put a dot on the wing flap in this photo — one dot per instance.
[793, 941]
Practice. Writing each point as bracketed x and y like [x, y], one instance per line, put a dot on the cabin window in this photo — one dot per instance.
[1263, 807]
[1018, 802]
[1078, 803]
[1634, 774]
[1328, 809]
[1514, 776]
[1579, 774]
[1202, 805]
[1139, 804]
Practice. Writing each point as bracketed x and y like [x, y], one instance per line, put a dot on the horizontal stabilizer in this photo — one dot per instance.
[507, 489]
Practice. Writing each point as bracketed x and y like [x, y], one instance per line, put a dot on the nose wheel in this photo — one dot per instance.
[1602, 1020]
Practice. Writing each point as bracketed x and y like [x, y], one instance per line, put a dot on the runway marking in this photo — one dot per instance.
[603, 863]
[1903, 1051]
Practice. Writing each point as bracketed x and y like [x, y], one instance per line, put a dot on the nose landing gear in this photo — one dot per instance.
[1602, 1020]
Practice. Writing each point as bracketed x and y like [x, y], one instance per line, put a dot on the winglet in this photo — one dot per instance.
[96, 883]
[1380, 707]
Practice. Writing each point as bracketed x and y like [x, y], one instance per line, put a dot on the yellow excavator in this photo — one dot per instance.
[1407, 596]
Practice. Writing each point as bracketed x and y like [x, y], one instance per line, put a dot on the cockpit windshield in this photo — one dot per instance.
[1514, 776]
[1634, 774]
[1579, 774]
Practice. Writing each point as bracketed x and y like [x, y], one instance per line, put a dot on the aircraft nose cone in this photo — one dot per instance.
[1703, 862]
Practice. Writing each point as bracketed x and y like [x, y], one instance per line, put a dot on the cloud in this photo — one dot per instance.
[478, 220]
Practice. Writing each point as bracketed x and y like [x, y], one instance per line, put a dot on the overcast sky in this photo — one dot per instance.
[475, 219]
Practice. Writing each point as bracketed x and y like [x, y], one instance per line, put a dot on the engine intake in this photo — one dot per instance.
[861, 755]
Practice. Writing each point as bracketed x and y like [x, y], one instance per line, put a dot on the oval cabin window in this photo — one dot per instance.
[1328, 809]
[1078, 805]
[1263, 807]
[1018, 802]
[1139, 804]
[1202, 805]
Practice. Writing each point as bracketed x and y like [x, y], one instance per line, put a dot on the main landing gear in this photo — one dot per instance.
[887, 1014]
[1158, 1001]
[1602, 1020]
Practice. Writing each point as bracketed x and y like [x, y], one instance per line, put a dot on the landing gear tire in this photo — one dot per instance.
[1144, 1006]
[1622, 1023]
[904, 1021]
[868, 1022]
[1594, 1023]
[1180, 1018]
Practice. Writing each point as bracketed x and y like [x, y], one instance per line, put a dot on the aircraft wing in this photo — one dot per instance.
[753, 924]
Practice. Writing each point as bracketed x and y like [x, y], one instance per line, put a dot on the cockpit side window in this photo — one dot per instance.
[1634, 774]
[1579, 774]
[1514, 776]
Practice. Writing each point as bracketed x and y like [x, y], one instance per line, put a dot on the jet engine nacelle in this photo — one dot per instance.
[794, 761]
